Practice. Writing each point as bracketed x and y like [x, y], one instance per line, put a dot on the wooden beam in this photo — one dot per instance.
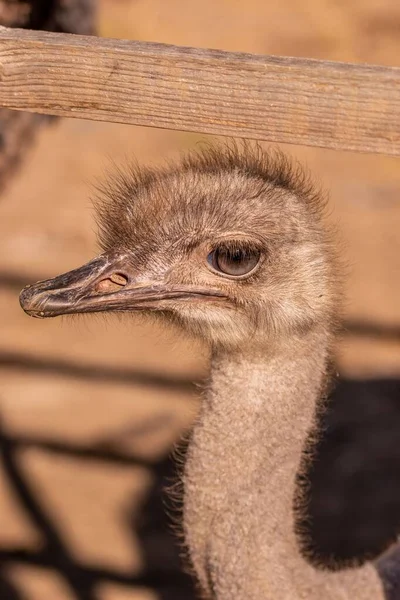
[290, 100]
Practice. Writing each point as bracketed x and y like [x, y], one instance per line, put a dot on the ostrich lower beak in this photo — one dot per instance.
[107, 283]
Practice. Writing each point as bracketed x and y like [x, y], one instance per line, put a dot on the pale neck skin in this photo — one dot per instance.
[240, 479]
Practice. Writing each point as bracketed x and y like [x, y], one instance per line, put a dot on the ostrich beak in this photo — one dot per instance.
[110, 282]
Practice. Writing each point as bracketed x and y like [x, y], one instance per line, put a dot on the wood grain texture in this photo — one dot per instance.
[288, 100]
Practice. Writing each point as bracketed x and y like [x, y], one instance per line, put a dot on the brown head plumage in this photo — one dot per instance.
[228, 242]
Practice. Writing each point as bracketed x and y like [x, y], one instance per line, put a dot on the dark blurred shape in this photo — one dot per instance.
[355, 477]
[91, 372]
[159, 541]
[386, 332]
[18, 129]
[162, 570]
[388, 567]
[354, 500]
[66, 16]
[7, 591]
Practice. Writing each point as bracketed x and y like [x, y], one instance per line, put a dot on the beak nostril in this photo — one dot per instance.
[111, 284]
[119, 279]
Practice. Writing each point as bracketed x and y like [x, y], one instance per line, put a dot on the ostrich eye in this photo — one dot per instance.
[235, 262]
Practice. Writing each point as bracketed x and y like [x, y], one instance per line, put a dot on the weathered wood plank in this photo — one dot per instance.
[291, 100]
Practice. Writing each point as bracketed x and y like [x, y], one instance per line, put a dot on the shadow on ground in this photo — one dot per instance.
[354, 509]
[161, 555]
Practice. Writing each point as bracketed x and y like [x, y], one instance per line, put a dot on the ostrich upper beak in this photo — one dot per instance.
[109, 282]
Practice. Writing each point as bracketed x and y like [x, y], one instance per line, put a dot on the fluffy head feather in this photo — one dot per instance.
[169, 219]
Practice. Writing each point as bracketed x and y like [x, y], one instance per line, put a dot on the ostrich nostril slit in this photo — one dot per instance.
[111, 284]
[119, 279]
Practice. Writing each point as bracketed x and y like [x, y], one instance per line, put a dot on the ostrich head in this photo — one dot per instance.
[228, 243]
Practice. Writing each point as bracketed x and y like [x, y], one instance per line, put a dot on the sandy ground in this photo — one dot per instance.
[85, 403]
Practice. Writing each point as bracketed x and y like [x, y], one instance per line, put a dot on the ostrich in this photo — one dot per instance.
[230, 244]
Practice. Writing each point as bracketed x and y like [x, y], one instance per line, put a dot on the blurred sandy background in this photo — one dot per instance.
[86, 403]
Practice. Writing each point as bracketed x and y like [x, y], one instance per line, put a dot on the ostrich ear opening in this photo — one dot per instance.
[109, 282]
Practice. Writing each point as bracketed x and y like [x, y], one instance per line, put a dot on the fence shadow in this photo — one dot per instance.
[354, 507]
[22, 361]
[160, 550]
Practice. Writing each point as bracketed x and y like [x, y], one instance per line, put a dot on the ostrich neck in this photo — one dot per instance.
[240, 479]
